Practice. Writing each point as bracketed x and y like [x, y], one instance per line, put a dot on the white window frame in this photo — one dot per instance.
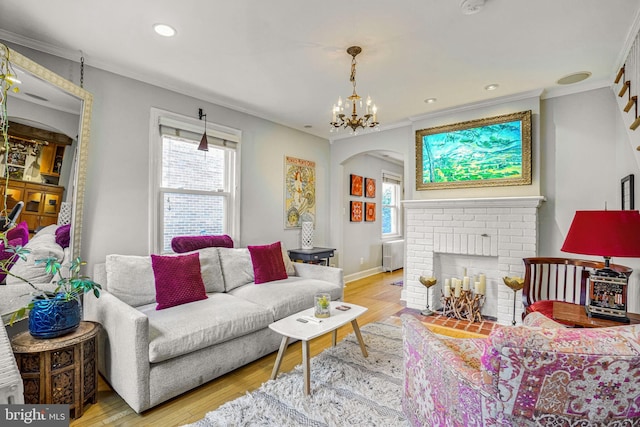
[397, 207]
[214, 130]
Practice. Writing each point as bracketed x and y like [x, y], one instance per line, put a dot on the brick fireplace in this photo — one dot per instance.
[483, 235]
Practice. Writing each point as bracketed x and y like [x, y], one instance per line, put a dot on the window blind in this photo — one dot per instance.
[391, 179]
[169, 127]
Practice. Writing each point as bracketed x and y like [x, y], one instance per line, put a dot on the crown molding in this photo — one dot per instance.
[389, 126]
[560, 90]
[480, 104]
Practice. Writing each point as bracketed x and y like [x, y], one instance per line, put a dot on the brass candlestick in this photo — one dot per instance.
[427, 282]
[516, 284]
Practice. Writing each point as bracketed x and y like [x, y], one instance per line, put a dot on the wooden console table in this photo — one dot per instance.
[61, 370]
[574, 313]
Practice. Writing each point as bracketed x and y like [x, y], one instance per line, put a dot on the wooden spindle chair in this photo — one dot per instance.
[558, 279]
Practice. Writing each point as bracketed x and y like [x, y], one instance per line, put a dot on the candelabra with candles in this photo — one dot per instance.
[460, 302]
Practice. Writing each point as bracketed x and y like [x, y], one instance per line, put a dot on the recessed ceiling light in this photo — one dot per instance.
[574, 78]
[492, 86]
[164, 30]
[308, 126]
[430, 100]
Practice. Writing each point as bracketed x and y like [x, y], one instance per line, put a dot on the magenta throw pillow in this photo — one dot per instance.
[268, 264]
[63, 235]
[182, 244]
[4, 255]
[178, 280]
[20, 231]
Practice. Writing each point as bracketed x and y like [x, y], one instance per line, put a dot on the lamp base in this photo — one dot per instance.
[594, 312]
[427, 312]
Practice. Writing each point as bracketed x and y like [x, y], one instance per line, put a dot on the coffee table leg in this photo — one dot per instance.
[305, 367]
[276, 365]
[356, 329]
[334, 337]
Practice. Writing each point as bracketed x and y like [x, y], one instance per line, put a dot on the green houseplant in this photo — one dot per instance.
[57, 312]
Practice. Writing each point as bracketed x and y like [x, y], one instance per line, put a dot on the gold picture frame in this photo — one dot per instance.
[488, 152]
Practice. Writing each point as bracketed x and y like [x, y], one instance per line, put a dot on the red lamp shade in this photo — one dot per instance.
[604, 233]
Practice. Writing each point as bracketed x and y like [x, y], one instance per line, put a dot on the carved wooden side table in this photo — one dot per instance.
[61, 370]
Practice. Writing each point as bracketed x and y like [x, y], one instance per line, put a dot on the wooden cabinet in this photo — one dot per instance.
[41, 202]
[51, 159]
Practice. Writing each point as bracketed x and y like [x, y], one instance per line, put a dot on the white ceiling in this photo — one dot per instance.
[286, 60]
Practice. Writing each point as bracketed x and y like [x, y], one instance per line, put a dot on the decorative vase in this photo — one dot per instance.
[307, 235]
[322, 304]
[53, 317]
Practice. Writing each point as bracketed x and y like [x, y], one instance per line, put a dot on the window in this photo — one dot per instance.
[195, 191]
[391, 193]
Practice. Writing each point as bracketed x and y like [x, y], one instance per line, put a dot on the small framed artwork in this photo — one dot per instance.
[369, 187]
[356, 211]
[356, 185]
[370, 212]
[626, 186]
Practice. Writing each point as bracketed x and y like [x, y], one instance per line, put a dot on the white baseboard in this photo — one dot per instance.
[362, 274]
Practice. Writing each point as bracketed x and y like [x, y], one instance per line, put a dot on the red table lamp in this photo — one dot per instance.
[607, 234]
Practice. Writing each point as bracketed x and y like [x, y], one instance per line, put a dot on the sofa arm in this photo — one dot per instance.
[567, 373]
[123, 347]
[539, 320]
[319, 272]
[442, 379]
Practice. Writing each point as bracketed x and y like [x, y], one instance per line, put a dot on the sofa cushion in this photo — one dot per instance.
[288, 265]
[178, 280]
[237, 269]
[130, 278]
[41, 247]
[186, 328]
[285, 297]
[268, 263]
[182, 244]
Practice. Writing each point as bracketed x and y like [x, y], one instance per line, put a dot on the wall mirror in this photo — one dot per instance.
[50, 102]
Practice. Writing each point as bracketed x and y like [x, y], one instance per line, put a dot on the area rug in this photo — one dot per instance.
[347, 389]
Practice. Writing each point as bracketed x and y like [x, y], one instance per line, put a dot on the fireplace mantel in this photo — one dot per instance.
[493, 202]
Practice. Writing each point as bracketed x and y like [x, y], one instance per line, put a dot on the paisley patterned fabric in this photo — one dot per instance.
[524, 375]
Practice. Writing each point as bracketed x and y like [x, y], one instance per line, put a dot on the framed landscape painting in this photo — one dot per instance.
[494, 151]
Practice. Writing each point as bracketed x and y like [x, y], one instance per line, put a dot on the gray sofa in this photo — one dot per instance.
[149, 356]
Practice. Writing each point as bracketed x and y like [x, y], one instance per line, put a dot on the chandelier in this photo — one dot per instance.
[342, 120]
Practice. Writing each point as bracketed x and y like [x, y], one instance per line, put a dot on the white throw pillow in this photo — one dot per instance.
[237, 268]
[288, 265]
[43, 247]
[130, 278]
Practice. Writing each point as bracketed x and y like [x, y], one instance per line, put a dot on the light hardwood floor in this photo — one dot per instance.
[375, 292]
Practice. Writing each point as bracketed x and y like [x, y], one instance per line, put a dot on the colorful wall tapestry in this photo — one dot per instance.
[299, 192]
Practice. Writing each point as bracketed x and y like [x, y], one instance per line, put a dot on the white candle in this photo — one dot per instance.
[447, 289]
[465, 283]
[464, 271]
[478, 288]
[458, 288]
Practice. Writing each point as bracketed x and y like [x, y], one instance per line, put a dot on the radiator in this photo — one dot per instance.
[11, 388]
[392, 255]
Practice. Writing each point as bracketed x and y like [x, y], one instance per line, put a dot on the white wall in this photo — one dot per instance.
[586, 151]
[363, 240]
[116, 216]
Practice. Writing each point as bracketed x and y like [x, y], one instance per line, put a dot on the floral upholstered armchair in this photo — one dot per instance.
[540, 373]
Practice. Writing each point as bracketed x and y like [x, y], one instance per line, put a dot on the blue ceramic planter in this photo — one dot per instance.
[53, 317]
